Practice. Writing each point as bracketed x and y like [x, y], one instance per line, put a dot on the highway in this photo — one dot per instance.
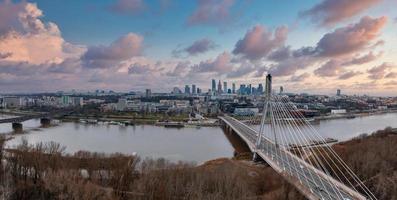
[313, 183]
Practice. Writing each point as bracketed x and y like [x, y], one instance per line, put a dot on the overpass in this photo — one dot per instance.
[317, 172]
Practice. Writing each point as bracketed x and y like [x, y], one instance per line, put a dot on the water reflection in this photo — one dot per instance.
[188, 144]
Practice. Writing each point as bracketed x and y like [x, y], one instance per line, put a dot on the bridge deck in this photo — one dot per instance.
[310, 181]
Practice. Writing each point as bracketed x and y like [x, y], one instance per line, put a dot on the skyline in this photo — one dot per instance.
[315, 46]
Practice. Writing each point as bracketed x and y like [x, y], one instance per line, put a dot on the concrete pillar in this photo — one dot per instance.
[17, 127]
[45, 121]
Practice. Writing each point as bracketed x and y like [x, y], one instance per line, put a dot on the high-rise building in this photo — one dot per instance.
[148, 93]
[233, 88]
[281, 89]
[268, 90]
[260, 89]
[194, 91]
[213, 88]
[219, 87]
[338, 92]
[199, 91]
[187, 89]
[225, 87]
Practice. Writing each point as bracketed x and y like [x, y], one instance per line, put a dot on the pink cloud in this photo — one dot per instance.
[352, 38]
[348, 75]
[380, 71]
[124, 48]
[129, 7]
[211, 12]
[258, 42]
[221, 64]
[330, 12]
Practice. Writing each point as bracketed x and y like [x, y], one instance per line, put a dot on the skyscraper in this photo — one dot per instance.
[260, 89]
[194, 91]
[338, 92]
[187, 89]
[225, 87]
[213, 88]
[233, 88]
[281, 89]
[219, 87]
[148, 93]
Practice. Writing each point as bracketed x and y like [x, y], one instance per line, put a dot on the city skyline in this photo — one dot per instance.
[316, 46]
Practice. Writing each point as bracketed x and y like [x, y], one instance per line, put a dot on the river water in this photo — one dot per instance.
[187, 144]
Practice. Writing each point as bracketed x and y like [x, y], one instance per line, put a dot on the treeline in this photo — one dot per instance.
[44, 171]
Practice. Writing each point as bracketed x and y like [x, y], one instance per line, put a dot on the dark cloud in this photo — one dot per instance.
[124, 48]
[330, 12]
[258, 42]
[211, 12]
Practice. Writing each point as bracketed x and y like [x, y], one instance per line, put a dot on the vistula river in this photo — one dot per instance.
[186, 144]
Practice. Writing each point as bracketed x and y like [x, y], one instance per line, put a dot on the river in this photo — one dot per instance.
[187, 144]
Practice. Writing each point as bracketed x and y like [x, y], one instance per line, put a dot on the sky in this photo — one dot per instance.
[311, 46]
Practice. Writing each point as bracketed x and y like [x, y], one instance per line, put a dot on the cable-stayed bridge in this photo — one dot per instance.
[294, 149]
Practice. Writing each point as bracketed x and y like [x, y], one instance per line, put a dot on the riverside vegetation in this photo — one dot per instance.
[45, 171]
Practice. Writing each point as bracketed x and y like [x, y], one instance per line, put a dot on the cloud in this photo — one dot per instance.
[391, 75]
[352, 38]
[280, 54]
[138, 68]
[211, 12]
[221, 64]
[330, 12]
[363, 59]
[258, 42]
[330, 68]
[299, 78]
[129, 7]
[24, 37]
[380, 71]
[290, 66]
[180, 69]
[124, 48]
[348, 75]
[198, 47]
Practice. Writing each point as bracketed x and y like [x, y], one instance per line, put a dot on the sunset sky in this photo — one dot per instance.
[313, 46]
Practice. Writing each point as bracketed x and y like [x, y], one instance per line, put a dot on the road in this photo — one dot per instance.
[293, 168]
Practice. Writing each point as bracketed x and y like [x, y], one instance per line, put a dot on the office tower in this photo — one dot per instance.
[260, 89]
[242, 89]
[213, 88]
[233, 88]
[219, 87]
[281, 89]
[249, 89]
[187, 89]
[229, 91]
[199, 91]
[194, 91]
[268, 86]
[225, 87]
[148, 93]
[338, 92]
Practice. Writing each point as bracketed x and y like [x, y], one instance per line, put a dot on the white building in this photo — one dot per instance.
[338, 111]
